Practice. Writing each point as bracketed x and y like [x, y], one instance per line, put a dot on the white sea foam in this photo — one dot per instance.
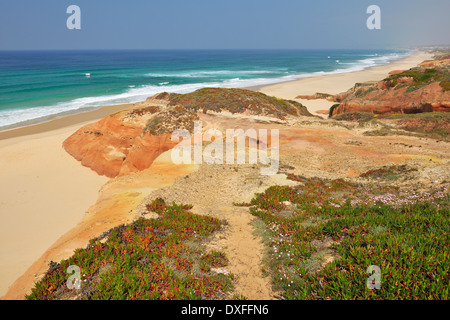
[205, 73]
[25, 116]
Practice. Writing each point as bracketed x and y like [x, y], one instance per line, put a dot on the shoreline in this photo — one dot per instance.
[331, 73]
[35, 167]
[60, 121]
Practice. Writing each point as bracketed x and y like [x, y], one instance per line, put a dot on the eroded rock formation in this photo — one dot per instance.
[131, 139]
[425, 88]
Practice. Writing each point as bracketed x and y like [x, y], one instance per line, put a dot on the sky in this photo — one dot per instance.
[224, 24]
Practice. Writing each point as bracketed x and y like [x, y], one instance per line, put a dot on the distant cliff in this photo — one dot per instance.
[425, 88]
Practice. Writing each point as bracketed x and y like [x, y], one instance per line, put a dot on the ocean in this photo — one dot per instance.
[36, 86]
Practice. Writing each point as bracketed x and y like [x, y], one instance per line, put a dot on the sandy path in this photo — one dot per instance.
[245, 252]
[214, 196]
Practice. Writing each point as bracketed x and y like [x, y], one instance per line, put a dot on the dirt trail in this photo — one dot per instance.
[245, 252]
[212, 195]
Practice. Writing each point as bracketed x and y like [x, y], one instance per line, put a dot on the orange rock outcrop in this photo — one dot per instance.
[425, 88]
[126, 141]
[390, 101]
[114, 146]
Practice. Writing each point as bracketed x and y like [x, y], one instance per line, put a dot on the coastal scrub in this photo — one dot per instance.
[323, 235]
[148, 259]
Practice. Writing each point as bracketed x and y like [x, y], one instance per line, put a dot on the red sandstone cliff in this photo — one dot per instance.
[390, 101]
[425, 88]
[114, 146]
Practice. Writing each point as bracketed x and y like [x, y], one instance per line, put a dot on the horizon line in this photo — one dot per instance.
[227, 49]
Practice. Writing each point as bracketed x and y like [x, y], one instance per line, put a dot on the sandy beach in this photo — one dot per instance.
[45, 192]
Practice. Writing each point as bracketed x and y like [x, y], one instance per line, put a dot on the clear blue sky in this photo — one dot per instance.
[222, 24]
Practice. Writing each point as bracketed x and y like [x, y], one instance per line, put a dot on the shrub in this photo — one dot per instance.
[445, 85]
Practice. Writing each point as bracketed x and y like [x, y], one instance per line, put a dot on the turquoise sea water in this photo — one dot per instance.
[36, 85]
